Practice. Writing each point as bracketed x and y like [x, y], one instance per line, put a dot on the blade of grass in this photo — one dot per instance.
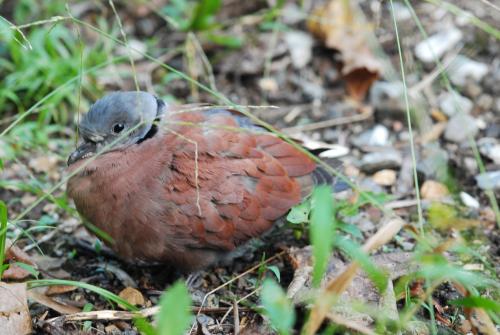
[408, 119]
[3, 235]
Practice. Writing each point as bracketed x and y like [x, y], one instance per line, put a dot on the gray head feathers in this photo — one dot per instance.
[122, 118]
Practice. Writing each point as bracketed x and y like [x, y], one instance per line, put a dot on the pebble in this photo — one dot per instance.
[385, 177]
[292, 14]
[377, 136]
[485, 102]
[375, 161]
[433, 190]
[434, 162]
[460, 128]
[135, 49]
[452, 103]
[489, 180]
[464, 69]
[468, 200]
[490, 147]
[300, 46]
[437, 45]
[472, 90]
[401, 12]
[387, 96]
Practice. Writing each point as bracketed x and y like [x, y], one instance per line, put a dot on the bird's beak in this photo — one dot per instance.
[85, 150]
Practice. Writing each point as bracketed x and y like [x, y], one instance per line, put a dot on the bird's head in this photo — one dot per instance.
[116, 121]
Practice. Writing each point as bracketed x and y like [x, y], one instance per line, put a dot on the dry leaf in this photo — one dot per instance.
[60, 289]
[14, 254]
[336, 24]
[132, 296]
[51, 303]
[14, 314]
[44, 164]
[15, 272]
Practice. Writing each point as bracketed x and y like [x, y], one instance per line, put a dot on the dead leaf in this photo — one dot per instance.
[60, 289]
[132, 296]
[51, 303]
[44, 164]
[338, 27]
[14, 254]
[15, 272]
[14, 314]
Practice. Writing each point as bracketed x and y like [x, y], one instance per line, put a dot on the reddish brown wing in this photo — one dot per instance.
[243, 182]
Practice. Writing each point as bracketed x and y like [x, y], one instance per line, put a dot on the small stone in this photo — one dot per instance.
[496, 106]
[28, 199]
[368, 185]
[468, 200]
[375, 161]
[377, 136]
[464, 69]
[490, 147]
[489, 180]
[335, 152]
[112, 329]
[437, 45]
[385, 177]
[407, 246]
[434, 162]
[460, 128]
[485, 102]
[135, 49]
[452, 103]
[433, 190]
[401, 12]
[312, 90]
[292, 14]
[416, 328]
[387, 96]
[267, 84]
[300, 47]
[470, 165]
[472, 90]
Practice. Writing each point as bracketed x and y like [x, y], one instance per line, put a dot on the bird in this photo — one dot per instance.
[182, 185]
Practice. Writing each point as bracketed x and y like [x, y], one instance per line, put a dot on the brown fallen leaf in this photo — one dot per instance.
[13, 254]
[15, 272]
[338, 27]
[132, 296]
[60, 289]
[14, 314]
[49, 302]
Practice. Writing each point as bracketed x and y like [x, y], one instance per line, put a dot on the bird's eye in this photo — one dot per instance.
[117, 128]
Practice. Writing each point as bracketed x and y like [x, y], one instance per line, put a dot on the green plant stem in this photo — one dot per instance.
[410, 130]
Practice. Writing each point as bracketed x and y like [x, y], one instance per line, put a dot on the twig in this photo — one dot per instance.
[236, 318]
[127, 315]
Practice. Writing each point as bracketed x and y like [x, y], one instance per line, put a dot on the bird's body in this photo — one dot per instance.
[201, 184]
